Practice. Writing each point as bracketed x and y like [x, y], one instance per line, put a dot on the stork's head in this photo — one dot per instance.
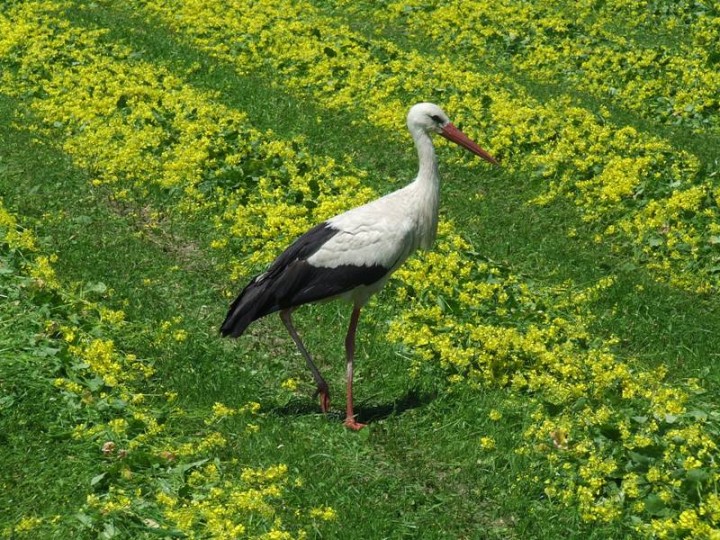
[430, 118]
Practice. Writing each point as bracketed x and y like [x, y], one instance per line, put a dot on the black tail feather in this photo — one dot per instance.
[293, 285]
[250, 305]
[292, 281]
[263, 294]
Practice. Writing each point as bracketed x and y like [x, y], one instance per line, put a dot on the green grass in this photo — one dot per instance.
[444, 485]
[502, 226]
[42, 465]
[383, 471]
[418, 471]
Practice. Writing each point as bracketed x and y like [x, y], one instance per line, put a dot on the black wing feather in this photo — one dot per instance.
[291, 281]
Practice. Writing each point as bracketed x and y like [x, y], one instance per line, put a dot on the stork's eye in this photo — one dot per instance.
[436, 119]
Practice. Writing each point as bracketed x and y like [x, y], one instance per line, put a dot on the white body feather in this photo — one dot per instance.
[386, 231]
[383, 232]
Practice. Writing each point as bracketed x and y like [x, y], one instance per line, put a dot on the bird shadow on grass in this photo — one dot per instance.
[412, 399]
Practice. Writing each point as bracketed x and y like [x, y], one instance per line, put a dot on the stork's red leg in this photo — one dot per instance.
[323, 390]
[350, 421]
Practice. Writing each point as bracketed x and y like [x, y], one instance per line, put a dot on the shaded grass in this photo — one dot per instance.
[42, 465]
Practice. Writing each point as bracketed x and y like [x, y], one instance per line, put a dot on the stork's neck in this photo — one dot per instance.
[428, 170]
[426, 189]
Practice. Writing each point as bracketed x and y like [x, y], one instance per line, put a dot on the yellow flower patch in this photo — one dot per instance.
[605, 427]
[610, 165]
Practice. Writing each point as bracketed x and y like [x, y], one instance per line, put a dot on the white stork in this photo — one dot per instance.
[352, 255]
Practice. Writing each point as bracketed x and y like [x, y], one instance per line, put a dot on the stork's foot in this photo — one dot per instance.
[353, 424]
[324, 392]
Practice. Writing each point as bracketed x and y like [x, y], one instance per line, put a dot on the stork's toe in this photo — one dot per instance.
[353, 424]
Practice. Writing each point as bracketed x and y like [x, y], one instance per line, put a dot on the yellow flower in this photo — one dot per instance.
[166, 500]
[43, 272]
[27, 524]
[253, 407]
[290, 384]
[113, 317]
[118, 426]
[487, 443]
[221, 411]
[324, 512]
[495, 415]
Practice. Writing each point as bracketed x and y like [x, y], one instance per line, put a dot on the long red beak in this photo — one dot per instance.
[451, 133]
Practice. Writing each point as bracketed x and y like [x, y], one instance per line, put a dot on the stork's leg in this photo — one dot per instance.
[322, 388]
[350, 421]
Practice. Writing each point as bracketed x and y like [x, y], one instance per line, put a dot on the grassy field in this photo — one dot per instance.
[550, 370]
